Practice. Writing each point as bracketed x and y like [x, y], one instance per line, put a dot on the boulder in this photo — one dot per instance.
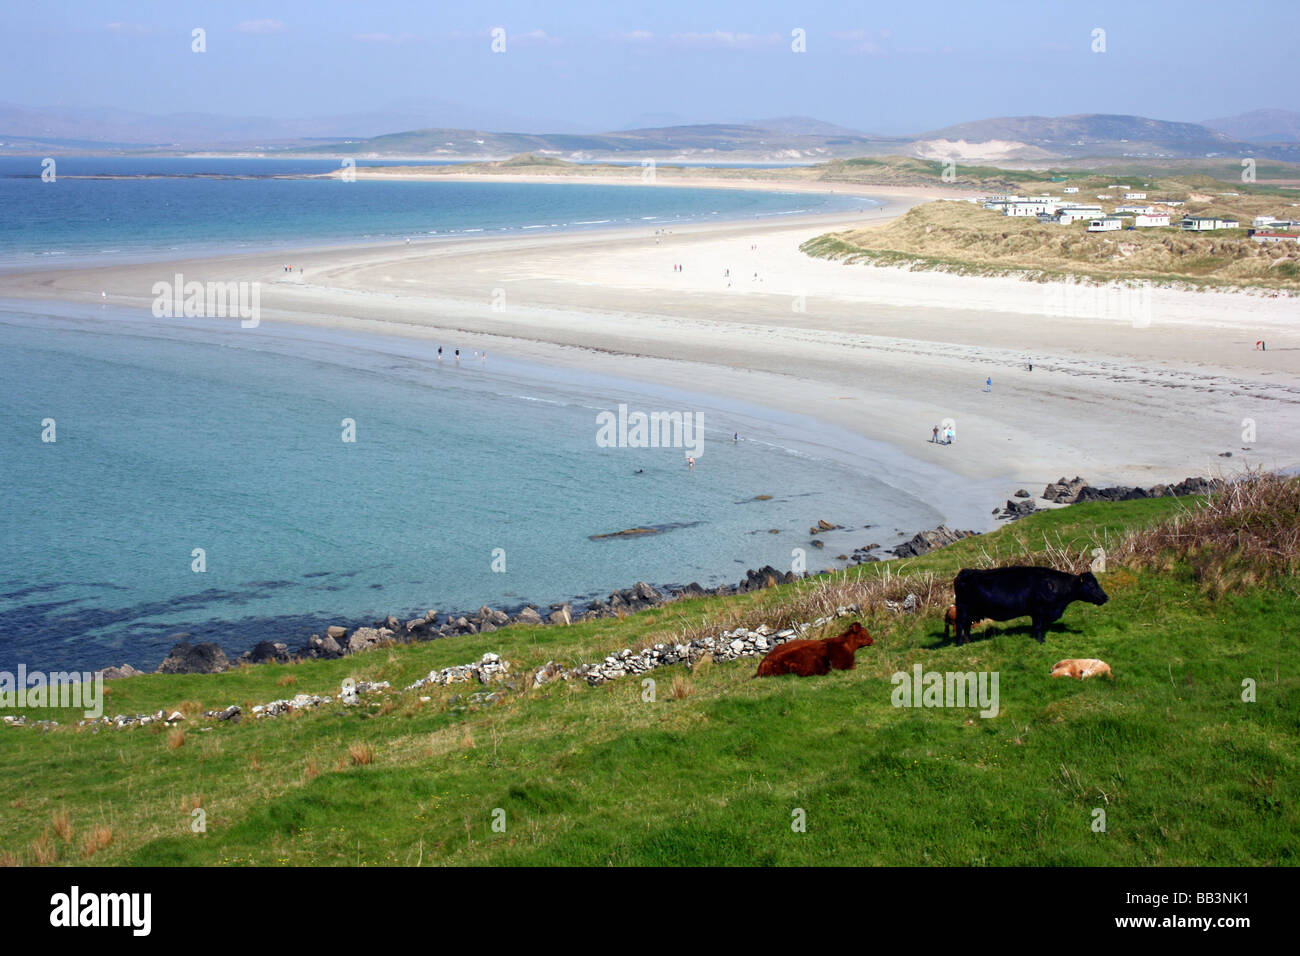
[336, 632]
[926, 541]
[499, 618]
[186, 658]
[645, 592]
[1064, 491]
[117, 673]
[363, 638]
[265, 651]
[528, 615]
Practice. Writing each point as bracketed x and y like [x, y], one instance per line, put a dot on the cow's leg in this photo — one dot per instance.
[1040, 625]
[963, 624]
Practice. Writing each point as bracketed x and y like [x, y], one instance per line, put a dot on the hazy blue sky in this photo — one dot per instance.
[880, 67]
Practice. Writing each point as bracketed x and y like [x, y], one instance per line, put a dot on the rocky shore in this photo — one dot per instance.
[339, 641]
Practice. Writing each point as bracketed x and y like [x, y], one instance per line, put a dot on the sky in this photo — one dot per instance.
[889, 68]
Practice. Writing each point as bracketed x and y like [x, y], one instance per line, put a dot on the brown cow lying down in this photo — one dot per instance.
[1081, 668]
[806, 658]
[950, 620]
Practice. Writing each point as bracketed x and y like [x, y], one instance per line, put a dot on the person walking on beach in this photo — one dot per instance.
[458, 356]
[988, 384]
[440, 354]
[950, 436]
[934, 435]
[690, 462]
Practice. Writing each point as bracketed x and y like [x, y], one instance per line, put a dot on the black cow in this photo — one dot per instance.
[1006, 593]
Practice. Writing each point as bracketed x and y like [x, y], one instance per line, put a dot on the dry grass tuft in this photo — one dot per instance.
[175, 738]
[360, 754]
[43, 850]
[97, 839]
[62, 824]
[681, 688]
[1244, 535]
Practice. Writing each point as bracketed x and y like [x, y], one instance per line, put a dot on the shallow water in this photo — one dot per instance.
[175, 435]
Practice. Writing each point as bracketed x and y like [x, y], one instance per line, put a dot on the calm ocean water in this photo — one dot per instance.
[178, 206]
[177, 435]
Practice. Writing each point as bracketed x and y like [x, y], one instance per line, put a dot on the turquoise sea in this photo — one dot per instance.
[172, 437]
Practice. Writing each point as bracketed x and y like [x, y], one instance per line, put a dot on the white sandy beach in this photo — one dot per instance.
[1136, 387]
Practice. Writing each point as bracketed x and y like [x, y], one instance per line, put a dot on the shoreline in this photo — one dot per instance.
[343, 640]
[789, 330]
[881, 354]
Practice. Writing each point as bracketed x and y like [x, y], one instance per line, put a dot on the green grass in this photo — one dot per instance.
[711, 772]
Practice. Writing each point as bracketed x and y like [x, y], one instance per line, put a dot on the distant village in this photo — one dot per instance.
[1132, 210]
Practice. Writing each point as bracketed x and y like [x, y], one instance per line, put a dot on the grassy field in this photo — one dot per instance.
[715, 770]
[965, 238]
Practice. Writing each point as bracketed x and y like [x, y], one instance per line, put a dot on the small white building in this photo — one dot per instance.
[1151, 219]
[1168, 202]
[1105, 224]
[1273, 223]
[1276, 237]
[1207, 223]
[1135, 195]
[1070, 189]
[1135, 209]
[1104, 196]
[1028, 208]
[1068, 214]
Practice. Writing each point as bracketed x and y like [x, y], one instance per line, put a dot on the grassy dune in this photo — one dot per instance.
[968, 239]
[1276, 180]
[712, 770]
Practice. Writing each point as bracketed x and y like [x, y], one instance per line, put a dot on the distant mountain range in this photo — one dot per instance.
[1265, 134]
[1260, 126]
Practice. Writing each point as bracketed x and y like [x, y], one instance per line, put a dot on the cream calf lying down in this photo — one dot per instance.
[1081, 668]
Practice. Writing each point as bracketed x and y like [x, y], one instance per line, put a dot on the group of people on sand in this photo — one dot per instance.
[941, 435]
